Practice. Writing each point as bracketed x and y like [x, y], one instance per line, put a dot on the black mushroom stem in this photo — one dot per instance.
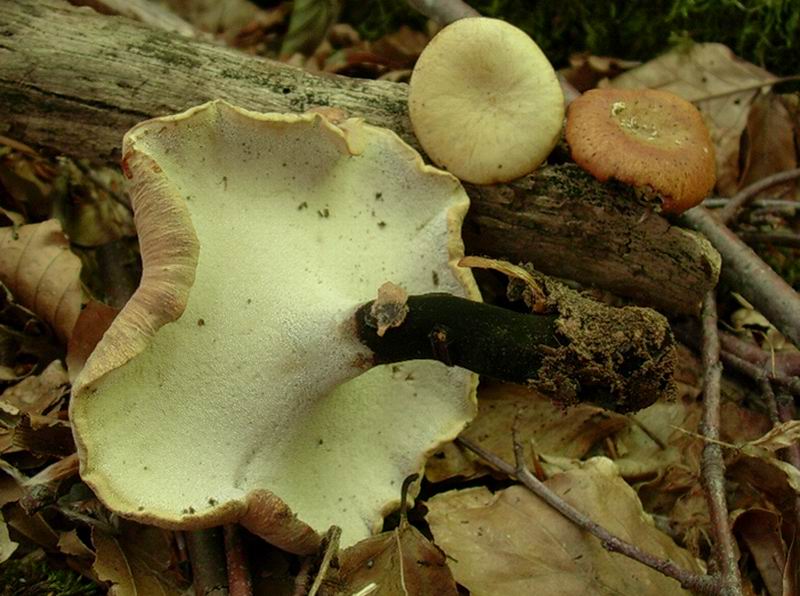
[619, 358]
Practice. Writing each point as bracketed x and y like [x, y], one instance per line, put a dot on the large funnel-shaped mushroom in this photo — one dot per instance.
[230, 387]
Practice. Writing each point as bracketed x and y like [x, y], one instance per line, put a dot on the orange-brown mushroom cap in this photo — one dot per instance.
[645, 138]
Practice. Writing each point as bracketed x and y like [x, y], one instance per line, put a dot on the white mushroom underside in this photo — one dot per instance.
[238, 394]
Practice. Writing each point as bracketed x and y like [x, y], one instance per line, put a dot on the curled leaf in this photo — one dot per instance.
[38, 267]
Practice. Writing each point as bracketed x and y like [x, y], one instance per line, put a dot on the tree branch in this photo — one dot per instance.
[745, 271]
[729, 212]
[713, 465]
[110, 73]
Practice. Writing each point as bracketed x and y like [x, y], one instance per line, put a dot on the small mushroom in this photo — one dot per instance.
[649, 139]
[484, 101]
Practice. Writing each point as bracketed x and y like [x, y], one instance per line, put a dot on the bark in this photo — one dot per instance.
[74, 81]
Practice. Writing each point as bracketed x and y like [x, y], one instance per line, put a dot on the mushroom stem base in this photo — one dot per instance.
[619, 358]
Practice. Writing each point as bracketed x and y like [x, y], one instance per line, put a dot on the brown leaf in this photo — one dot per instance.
[585, 70]
[33, 527]
[86, 208]
[553, 430]
[92, 323]
[761, 532]
[70, 543]
[782, 435]
[511, 542]
[36, 394]
[42, 489]
[7, 546]
[722, 86]
[769, 146]
[44, 435]
[44, 276]
[398, 563]
[137, 561]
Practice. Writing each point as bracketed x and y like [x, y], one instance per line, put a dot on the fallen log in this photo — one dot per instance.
[73, 81]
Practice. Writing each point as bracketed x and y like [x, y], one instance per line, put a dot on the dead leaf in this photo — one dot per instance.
[70, 543]
[7, 546]
[33, 527]
[84, 204]
[585, 71]
[39, 393]
[554, 431]
[309, 25]
[136, 561]
[781, 436]
[769, 144]
[654, 444]
[511, 542]
[398, 563]
[27, 181]
[92, 323]
[760, 530]
[38, 267]
[722, 86]
[43, 435]
[42, 489]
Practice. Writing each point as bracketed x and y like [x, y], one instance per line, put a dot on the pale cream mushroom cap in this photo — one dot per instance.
[230, 387]
[485, 102]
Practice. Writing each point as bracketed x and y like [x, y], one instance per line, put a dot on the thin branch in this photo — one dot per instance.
[728, 213]
[713, 465]
[239, 583]
[691, 581]
[331, 552]
[774, 238]
[744, 270]
[759, 373]
[785, 362]
[753, 87]
[765, 203]
[207, 555]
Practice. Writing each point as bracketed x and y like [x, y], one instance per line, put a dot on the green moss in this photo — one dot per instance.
[765, 32]
[33, 576]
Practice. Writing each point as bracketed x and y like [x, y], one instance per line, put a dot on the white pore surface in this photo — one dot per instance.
[241, 392]
[485, 102]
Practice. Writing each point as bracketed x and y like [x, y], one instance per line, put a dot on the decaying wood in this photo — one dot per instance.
[74, 81]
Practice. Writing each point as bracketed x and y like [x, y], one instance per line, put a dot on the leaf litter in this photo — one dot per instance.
[638, 475]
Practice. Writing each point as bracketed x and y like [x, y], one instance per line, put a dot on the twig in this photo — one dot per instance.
[207, 554]
[713, 465]
[773, 238]
[444, 12]
[744, 88]
[778, 413]
[765, 203]
[239, 583]
[743, 269]
[728, 213]
[759, 373]
[785, 362]
[331, 544]
[691, 581]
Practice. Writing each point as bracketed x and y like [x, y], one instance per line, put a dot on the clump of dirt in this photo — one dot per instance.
[624, 357]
